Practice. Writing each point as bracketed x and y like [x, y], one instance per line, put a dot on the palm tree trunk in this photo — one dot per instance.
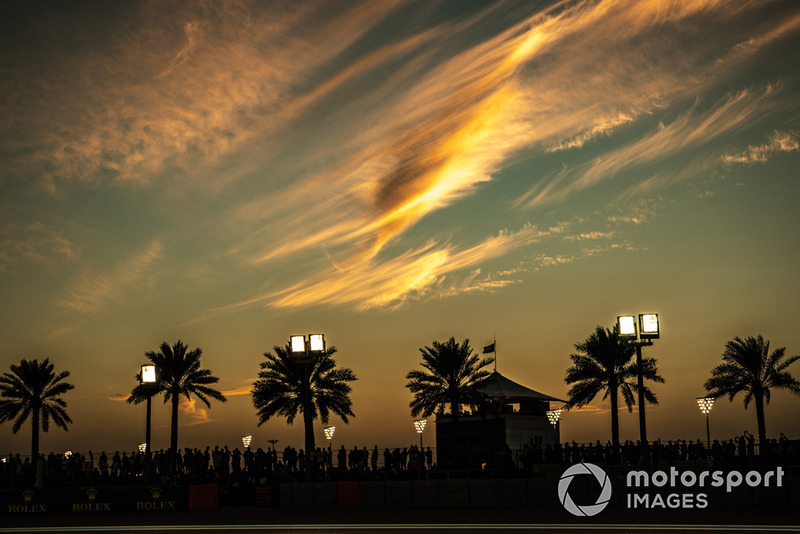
[614, 415]
[173, 435]
[35, 436]
[455, 453]
[762, 425]
[455, 413]
[308, 421]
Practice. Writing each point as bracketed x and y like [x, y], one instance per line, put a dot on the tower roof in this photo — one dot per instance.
[496, 386]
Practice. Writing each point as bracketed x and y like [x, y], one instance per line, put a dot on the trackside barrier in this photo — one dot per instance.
[348, 495]
[94, 500]
[263, 497]
[203, 497]
[503, 493]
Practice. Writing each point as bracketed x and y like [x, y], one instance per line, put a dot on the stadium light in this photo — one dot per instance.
[419, 426]
[705, 404]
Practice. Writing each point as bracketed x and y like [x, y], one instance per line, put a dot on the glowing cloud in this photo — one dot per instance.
[778, 142]
[392, 282]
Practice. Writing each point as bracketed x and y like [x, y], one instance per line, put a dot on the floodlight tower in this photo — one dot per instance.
[648, 330]
[705, 404]
[419, 426]
[304, 351]
[554, 416]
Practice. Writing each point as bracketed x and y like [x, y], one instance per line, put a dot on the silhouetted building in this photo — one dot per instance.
[517, 416]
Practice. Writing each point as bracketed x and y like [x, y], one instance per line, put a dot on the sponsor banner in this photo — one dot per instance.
[152, 499]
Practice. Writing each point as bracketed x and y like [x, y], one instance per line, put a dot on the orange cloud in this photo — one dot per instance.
[778, 142]
[377, 283]
[346, 141]
[464, 119]
[241, 390]
[197, 414]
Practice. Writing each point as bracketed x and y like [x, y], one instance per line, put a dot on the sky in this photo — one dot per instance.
[391, 173]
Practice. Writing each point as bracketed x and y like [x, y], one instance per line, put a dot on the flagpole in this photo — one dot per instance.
[493, 349]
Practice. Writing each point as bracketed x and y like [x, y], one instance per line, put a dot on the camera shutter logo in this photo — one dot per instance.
[591, 509]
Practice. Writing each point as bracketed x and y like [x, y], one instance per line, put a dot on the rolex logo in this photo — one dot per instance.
[27, 496]
[155, 492]
[91, 494]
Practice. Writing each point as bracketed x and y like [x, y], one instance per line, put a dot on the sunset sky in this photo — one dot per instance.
[230, 173]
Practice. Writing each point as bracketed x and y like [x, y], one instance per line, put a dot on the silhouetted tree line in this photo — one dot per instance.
[314, 386]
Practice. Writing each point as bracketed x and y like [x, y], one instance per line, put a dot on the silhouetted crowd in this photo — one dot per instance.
[222, 465]
[259, 467]
[736, 452]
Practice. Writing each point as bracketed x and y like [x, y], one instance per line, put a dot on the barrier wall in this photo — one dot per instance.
[443, 493]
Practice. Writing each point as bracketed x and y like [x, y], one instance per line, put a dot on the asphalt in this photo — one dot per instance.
[435, 520]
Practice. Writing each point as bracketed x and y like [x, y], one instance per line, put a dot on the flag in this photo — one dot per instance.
[488, 348]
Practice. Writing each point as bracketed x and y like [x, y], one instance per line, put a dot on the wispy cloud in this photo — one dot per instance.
[390, 283]
[778, 142]
[426, 148]
[172, 90]
[604, 126]
[198, 415]
[341, 139]
[241, 390]
[592, 409]
[692, 129]
[94, 292]
[34, 243]
[193, 34]
[591, 236]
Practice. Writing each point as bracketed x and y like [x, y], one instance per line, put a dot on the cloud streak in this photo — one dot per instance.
[34, 243]
[316, 138]
[778, 142]
[692, 129]
[94, 292]
[466, 118]
[391, 283]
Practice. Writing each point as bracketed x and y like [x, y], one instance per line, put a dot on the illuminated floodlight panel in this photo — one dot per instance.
[143, 447]
[316, 342]
[329, 431]
[419, 424]
[149, 374]
[648, 325]
[553, 416]
[627, 326]
[705, 404]
[298, 343]
[246, 440]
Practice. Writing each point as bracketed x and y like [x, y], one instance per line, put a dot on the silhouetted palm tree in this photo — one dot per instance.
[280, 385]
[748, 367]
[33, 389]
[454, 378]
[179, 374]
[603, 363]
